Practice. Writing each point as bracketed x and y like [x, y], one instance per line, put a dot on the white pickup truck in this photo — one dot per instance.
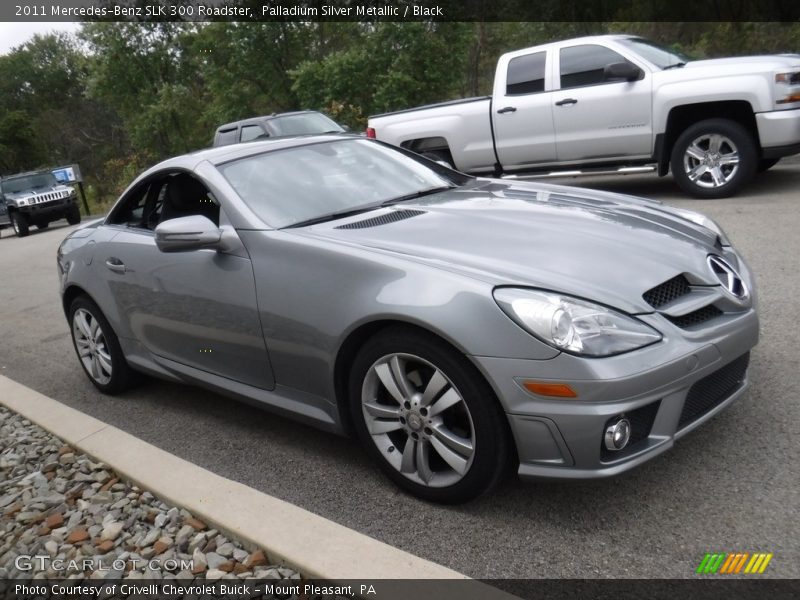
[620, 103]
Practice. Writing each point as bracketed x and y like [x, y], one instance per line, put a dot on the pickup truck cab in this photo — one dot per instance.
[615, 102]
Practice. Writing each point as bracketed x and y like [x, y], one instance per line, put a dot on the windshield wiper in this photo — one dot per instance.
[428, 192]
[677, 65]
[332, 216]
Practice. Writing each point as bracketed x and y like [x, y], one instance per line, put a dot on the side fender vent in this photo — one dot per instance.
[390, 217]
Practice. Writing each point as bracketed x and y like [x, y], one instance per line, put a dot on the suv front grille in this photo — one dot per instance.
[667, 292]
[713, 389]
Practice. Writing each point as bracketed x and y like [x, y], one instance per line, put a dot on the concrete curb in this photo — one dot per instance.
[317, 547]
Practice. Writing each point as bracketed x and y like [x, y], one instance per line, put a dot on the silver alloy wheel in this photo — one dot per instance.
[418, 420]
[711, 160]
[92, 347]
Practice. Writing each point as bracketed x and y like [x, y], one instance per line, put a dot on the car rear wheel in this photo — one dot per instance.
[714, 158]
[20, 224]
[427, 417]
[74, 215]
[98, 347]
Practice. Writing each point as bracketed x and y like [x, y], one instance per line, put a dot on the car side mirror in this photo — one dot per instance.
[187, 233]
[622, 70]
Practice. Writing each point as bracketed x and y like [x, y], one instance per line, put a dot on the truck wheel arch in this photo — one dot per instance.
[433, 146]
[682, 117]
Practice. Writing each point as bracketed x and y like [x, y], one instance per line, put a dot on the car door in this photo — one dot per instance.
[596, 118]
[522, 112]
[197, 308]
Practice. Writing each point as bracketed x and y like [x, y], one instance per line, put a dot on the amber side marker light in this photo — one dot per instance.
[555, 390]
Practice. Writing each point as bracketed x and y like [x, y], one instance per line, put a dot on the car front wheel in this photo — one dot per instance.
[20, 224]
[427, 417]
[714, 159]
[74, 215]
[98, 348]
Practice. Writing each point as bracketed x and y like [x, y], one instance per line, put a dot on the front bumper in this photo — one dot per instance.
[779, 132]
[55, 209]
[563, 438]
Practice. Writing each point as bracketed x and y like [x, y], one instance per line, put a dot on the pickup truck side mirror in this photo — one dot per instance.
[622, 70]
[187, 233]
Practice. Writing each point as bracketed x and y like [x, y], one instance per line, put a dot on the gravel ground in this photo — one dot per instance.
[86, 522]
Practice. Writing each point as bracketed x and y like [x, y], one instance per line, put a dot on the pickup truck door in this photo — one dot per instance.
[597, 118]
[522, 111]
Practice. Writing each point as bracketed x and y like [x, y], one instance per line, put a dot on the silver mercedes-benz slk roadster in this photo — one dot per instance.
[458, 325]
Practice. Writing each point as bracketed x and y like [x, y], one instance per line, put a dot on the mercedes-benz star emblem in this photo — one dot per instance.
[728, 277]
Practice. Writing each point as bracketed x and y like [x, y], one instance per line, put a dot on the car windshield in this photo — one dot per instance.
[660, 56]
[294, 185]
[29, 182]
[303, 124]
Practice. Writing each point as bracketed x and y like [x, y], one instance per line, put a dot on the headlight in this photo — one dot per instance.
[787, 88]
[704, 221]
[574, 325]
[22, 202]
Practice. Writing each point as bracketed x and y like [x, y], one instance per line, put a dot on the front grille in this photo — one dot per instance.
[395, 215]
[713, 389]
[701, 315]
[641, 421]
[667, 292]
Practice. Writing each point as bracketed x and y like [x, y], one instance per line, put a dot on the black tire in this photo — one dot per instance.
[490, 436]
[20, 224]
[73, 215]
[440, 156]
[42, 225]
[738, 140]
[765, 164]
[122, 376]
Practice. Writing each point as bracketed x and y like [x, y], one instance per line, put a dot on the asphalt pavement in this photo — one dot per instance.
[731, 486]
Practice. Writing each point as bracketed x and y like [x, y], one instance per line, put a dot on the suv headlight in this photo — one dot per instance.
[573, 325]
[22, 202]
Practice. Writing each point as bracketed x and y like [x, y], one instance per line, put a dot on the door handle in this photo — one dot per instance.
[566, 101]
[507, 109]
[116, 265]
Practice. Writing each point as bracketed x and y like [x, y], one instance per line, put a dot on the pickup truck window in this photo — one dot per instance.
[583, 65]
[526, 74]
[251, 132]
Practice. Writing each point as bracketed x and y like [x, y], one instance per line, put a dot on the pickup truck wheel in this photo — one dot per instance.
[767, 163]
[714, 159]
[427, 417]
[74, 215]
[97, 347]
[20, 224]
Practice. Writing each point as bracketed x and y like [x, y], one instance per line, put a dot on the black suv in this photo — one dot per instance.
[36, 198]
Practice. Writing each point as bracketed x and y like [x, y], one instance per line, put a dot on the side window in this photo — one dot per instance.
[182, 196]
[584, 65]
[526, 74]
[251, 132]
[132, 210]
[226, 136]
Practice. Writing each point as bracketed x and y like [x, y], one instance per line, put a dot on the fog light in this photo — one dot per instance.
[618, 434]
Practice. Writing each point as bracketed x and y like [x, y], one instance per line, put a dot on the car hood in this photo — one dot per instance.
[605, 247]
[762, 61]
